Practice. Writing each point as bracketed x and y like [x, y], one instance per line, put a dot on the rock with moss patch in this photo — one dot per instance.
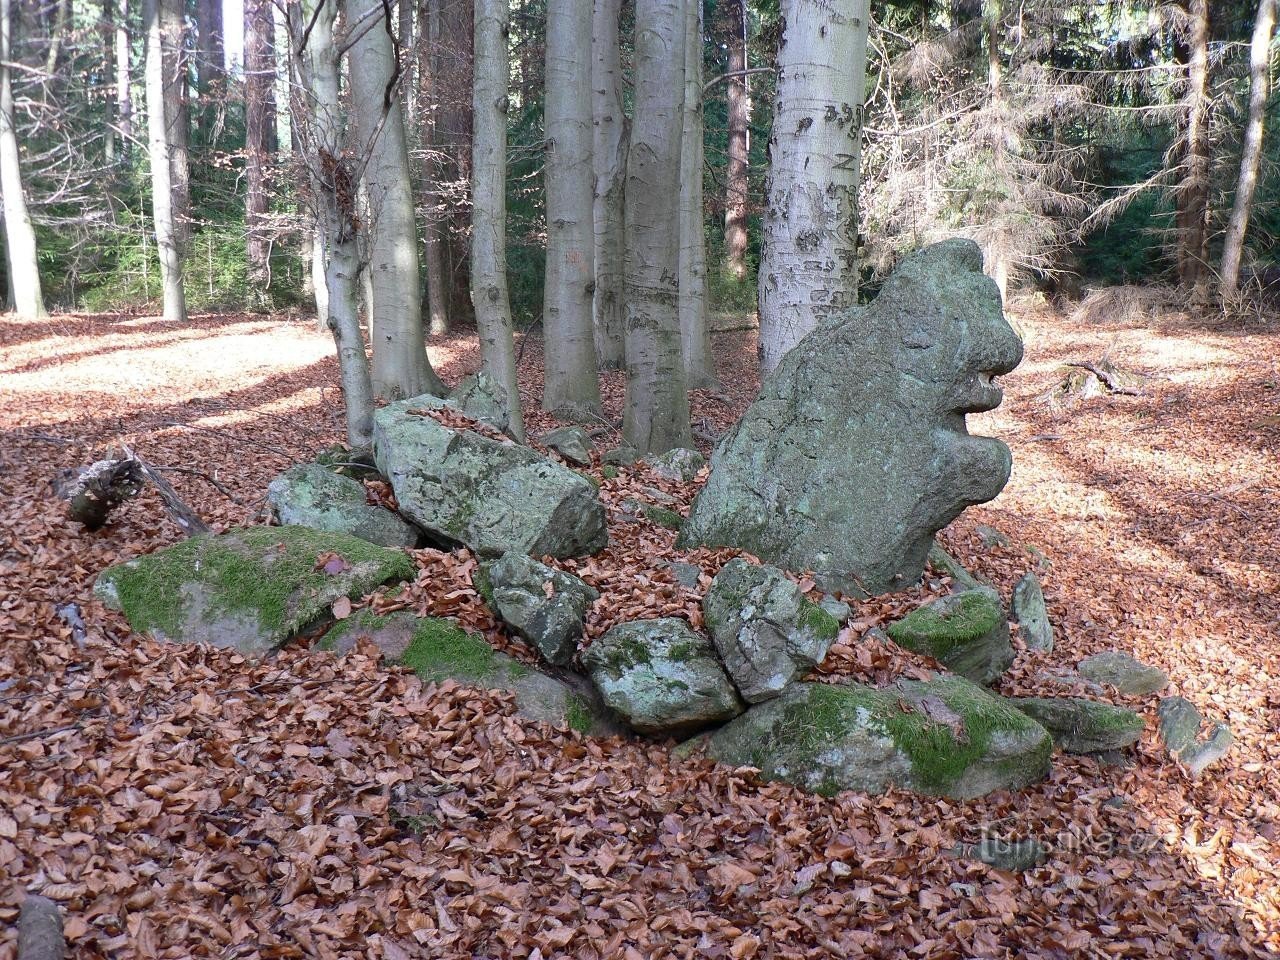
[961, 578]
[572, 443]
[620, 456]
[438, 649]
[766, 630]
[1123, 672]
[249, 589]
[545, 606]
[1029, 612]
[1180, 723]
[490, 495]
[941, 737]
[311, 495]
[662, 677]
[482, 399]
[1083, 726]
[679, 464]
[966, 632]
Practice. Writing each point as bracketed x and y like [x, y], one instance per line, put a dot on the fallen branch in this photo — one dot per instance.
[182, 514]
[1110, 378]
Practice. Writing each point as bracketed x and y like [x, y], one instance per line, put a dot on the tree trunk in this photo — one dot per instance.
[400, 365]
[259, 110]
[210, 69]
[997, 255]
[1251, 156]
[280, 78]
[735, 185]
[177, 113]
[489, 295]
[317, 118]
[656, 417]
[609, 159]
[160, 151]
[20, 236]
[570, 353]
[695, 334]
[434, 219]
[124, 100]
[808, 264]
[456, 79]
[1193, 191]
[57, 31]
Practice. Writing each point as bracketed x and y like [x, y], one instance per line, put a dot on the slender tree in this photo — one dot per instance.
[610, 135]
[124, 99]
[808, 264]
[210, 49]
[489, 295]
[695, 333]
[1193, 189]
[20, 236]
[160, 111]
[173, 32]
[1250, 159]
[434, 219]
[656, 416]
[570, 355]
[259, 118]
[735, 178]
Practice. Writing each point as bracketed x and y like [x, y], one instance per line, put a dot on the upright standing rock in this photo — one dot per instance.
[856, 451]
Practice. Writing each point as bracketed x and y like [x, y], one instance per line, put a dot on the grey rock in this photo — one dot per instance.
[837, 609]
[1083, 726]
[961, 578]
[856, 451]
[660, 497]
[1123, 672]
[249, 589]
[990, 536]
[490, 495]
[966, 632]
[1029, 612]
[620, 456]
[438, 649]
[941, 737]
[679, 464]
[1016, 856]
[482, 398]
[1180, 723]
[572, 443]
[687, 575]
[545, 606]
[310, 495]
[765, 629]
[662, 677]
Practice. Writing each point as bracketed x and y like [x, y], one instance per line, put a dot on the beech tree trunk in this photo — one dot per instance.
[160, 150]
[489, 294]
[739, 117]
[400, 365]
[808, 263]
[570, 353]
[997, 258]
[177, 114]
[656, 417]
[20, 236]
[695, 334]
[1251, 156]
[610, 133]
[434, 220]
[259, 109]
[1193, 192]
[124, 100]
[457, 82]
[210, 72]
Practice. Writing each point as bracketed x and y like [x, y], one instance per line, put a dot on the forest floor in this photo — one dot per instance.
[182, 802]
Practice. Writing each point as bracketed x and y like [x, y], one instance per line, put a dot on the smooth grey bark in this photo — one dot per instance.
[570, 354]
[656, 416]
[400, 365]
[259, 111]
[210, 70]
[610, 134]
[433, 221]
[695, 334]
[489, 294]
[20, 236]
[321, 128]
[160, 152]
[738, 96]
[808, 263]
[173, 30]
[124, 100]
[1251, 155]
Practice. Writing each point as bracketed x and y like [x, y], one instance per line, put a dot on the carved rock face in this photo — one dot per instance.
[856, 452]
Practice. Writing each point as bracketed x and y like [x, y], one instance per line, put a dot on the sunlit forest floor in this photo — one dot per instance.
[182, 802]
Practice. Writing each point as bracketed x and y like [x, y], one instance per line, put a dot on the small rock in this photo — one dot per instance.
[1015, 856]
[545, 606]
[1180, 723]
[966, 632]
[678, 464]
[1127, 675]
[961, 578]
[311, 495]
[1083, 726]
[660, 497]
[838, 609]
[620, 456]
[662, 677]
[572, 443]
[1029, 612]
[482, 399]
[687, 575]
[662, 516]
[990, 536]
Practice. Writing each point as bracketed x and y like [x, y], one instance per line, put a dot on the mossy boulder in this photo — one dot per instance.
[493, 496]
[1030, 613]
[941, 737]
[249, 589]
[966, 632]
[961, 578]
[766, 630]
[438, 649]
[572, 443]
[1127, 675]
[661, 677]
[311, 495]
[679, 464]
[543, 605]
[1079, 725]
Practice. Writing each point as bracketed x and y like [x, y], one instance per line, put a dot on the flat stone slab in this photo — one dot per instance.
[1180, 721]
[1030, 613]
[966, 632]
[1083, 726]
[1127, 675]
[312, 495]
[249, 589]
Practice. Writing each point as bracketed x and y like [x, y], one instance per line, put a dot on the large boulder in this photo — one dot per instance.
[856, 451]
[942, 737]
[662, 677]
[544, 605]
[311, 495]
[1079, 725]
[493, 496]
[437, 649]
[966, 632]
[766, 630]
[249, 589]
[482, 399]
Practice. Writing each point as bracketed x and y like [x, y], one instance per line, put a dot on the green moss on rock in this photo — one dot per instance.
[965, 632]
[662, 516]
